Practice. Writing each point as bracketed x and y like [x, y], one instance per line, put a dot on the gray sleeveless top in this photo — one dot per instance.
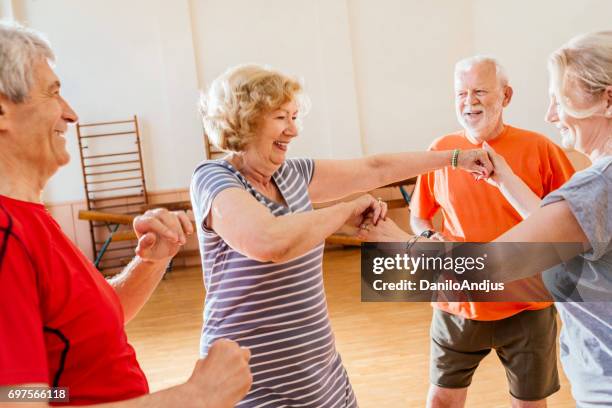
[277, 310]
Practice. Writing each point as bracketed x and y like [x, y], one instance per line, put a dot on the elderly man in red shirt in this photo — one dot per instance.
[61, 322]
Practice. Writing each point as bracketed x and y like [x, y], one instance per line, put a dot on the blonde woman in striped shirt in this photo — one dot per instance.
[262, 242]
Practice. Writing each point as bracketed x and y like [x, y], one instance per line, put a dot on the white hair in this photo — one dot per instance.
[587, 59]
[467, 63]
[20, 49]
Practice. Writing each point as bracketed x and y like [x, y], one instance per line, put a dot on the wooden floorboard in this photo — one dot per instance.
[384, 346]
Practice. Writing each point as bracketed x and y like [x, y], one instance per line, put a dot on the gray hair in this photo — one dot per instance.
[469, 62]
[586, 58]
[20, 49]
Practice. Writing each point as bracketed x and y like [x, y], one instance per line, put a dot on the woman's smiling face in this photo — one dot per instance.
[578, 133]
[275, 130]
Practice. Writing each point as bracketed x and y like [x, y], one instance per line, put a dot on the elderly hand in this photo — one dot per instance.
[475, 161]
[221, 379]
[385, 231]
[367, 206]
[161, 234]
[501, 169]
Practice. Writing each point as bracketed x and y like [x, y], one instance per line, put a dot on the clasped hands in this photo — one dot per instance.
[372, 224]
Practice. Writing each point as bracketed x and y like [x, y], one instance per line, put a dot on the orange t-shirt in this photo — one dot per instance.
[475, 211]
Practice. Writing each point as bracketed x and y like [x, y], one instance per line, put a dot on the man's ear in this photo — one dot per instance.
[3, 116]
[508, 92]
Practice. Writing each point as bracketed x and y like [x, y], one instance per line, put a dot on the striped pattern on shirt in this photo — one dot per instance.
[277, 310]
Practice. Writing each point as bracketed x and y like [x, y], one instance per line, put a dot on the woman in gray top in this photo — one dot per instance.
[580, 211]
[581, 108]
[262, 242]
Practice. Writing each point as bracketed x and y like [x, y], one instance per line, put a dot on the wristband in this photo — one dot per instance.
[455, 158]
[427, 233]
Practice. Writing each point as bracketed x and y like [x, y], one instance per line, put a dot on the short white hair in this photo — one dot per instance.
[587, 59]
[20, 49]
[467, 63]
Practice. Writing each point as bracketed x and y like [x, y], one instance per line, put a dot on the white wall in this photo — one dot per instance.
[307, 39]
[522, 33]
[404, 52]
[118, 58]
[379, 73]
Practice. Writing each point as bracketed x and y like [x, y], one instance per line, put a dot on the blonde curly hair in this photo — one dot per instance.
[239, 97]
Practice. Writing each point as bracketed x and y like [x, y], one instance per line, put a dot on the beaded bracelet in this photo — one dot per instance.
[455, 158]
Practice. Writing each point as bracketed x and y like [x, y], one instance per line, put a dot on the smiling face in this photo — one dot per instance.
[275, 130]
[554, 115]
[35, 128]
[583, 134]
[479, 100]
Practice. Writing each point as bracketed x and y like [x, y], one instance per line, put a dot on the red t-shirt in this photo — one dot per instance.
[61, 323]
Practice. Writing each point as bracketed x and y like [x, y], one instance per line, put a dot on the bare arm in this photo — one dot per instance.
[160, 236]
[518, 194]
[249, 227]
[554, 231]
[218, 381]
[334, 179]
[549, 236]
[553, 223]
[135, 284]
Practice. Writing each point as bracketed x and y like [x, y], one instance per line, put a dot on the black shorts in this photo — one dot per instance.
[525, 344]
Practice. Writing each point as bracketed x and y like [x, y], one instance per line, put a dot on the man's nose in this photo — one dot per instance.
[472, 98]
[68, 114]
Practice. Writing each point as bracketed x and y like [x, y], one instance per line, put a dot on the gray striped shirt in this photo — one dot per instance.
[277, 310]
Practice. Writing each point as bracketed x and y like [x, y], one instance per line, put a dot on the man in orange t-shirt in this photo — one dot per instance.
[463, 333]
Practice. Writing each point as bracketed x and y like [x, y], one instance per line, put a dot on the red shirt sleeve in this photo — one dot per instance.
[559, 169]
[23, 357]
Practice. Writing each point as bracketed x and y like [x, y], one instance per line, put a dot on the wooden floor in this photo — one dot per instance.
[384, 346]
